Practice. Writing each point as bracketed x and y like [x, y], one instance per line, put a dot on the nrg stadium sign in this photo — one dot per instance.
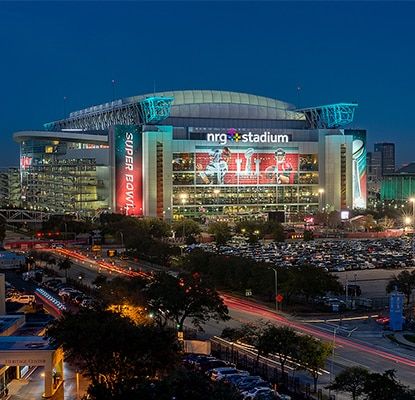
[232, 135]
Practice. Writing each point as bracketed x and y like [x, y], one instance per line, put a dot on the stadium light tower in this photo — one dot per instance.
[412, 200]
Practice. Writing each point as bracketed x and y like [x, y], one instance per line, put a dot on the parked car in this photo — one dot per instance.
[218, 374]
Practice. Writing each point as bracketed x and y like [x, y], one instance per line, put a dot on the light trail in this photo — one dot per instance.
[256, 309]
[101, 264]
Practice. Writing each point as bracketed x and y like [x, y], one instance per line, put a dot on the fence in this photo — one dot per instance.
[267, 368]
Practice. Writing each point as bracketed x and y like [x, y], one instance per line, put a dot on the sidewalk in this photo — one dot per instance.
[399, 336]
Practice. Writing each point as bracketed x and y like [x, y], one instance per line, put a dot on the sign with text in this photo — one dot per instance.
[127, 142]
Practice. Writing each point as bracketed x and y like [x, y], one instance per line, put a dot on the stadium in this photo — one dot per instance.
[196, 153]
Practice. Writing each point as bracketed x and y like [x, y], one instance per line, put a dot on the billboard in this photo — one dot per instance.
[359, 169]
[127, 162]
[222, 165]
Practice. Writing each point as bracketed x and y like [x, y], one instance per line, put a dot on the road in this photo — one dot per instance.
[374, 353]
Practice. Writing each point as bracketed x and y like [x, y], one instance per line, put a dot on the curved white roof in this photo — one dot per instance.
[211, 104]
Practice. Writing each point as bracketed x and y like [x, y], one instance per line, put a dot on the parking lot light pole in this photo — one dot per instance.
[276, 287]
[333, 354]
[412, 200]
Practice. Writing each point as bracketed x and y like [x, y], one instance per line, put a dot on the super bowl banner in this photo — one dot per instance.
[127, 142]
[359, 169]
[231, 166]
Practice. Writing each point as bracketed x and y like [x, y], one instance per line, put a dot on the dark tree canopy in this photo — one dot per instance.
[112, 352]
[186, 297]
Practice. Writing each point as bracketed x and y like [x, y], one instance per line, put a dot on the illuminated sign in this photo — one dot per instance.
[359, 169]
[128, 170]
[232, 135]
[25, 162]
[344, 215]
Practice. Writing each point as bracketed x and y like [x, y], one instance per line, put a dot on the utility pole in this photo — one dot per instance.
[276, 287]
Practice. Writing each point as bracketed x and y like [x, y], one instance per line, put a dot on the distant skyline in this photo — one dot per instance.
[335, 51]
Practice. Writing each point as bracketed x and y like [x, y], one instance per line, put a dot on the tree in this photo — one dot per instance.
[385, 387]
[187, 296]
[221, 232]
[283, 342]
[312, 356]
[277, 231]
[308, 281]
[115, 354]
[404, 282]
[186, 228]
[99, 280]
[308, 235]
[188, 384]
[157, 227]
[65, 265]
[351, 380]
[2, 230]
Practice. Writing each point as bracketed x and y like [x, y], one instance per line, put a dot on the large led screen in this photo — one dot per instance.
[248, 166]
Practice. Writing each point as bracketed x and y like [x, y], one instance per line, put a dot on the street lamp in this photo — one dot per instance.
[320, 198]
[216, 192]
[412, 200]
[333, 354]
[122, 238]
[276, 287]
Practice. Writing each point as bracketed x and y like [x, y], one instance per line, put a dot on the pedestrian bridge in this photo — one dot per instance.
[12, 216]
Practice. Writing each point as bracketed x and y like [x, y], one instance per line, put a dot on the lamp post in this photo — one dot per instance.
[333, 354]
[320, 198]
[216, 192]
[183, 199]
[412, 200]
[276, 287]
[122, 238]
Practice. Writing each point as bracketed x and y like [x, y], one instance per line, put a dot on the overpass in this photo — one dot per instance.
[12, 216]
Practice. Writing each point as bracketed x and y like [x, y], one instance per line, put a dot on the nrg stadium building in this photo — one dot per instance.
[196, 153]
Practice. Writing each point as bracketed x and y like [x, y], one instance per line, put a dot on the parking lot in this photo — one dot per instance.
[333, 255]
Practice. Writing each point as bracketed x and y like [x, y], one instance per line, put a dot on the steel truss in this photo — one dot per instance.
[23, 216]
[329, 116]
[149, 110]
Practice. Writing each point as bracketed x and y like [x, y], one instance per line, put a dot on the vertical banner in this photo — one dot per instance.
[359, 169]
[396, 311]
[127, 162]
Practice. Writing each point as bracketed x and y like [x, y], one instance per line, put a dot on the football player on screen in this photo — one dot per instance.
[281, 172]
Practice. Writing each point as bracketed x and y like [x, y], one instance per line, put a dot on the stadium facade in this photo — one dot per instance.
[196, 153]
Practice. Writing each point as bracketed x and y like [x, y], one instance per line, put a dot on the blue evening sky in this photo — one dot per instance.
[335, 51]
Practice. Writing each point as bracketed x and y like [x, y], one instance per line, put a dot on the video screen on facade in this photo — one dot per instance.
[249, 166]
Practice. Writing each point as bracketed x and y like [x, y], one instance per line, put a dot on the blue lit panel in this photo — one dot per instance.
[155, 109]
[330, 116]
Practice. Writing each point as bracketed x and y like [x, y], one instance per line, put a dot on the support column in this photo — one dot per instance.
[48, 379]
[2, 295]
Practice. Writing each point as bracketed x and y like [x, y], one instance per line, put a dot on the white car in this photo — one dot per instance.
[251, 394]
[217, 374]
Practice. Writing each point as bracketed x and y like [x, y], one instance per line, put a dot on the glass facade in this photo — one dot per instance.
[53, 181]
[243, 180]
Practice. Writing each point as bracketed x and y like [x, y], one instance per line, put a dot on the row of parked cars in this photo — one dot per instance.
[249, 386]
[331, 255]
[69, 294]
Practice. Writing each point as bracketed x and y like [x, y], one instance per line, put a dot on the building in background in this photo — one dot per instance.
[196, 153]
[387, 155]
[399, 186]
[380, 162]
[10, 193]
